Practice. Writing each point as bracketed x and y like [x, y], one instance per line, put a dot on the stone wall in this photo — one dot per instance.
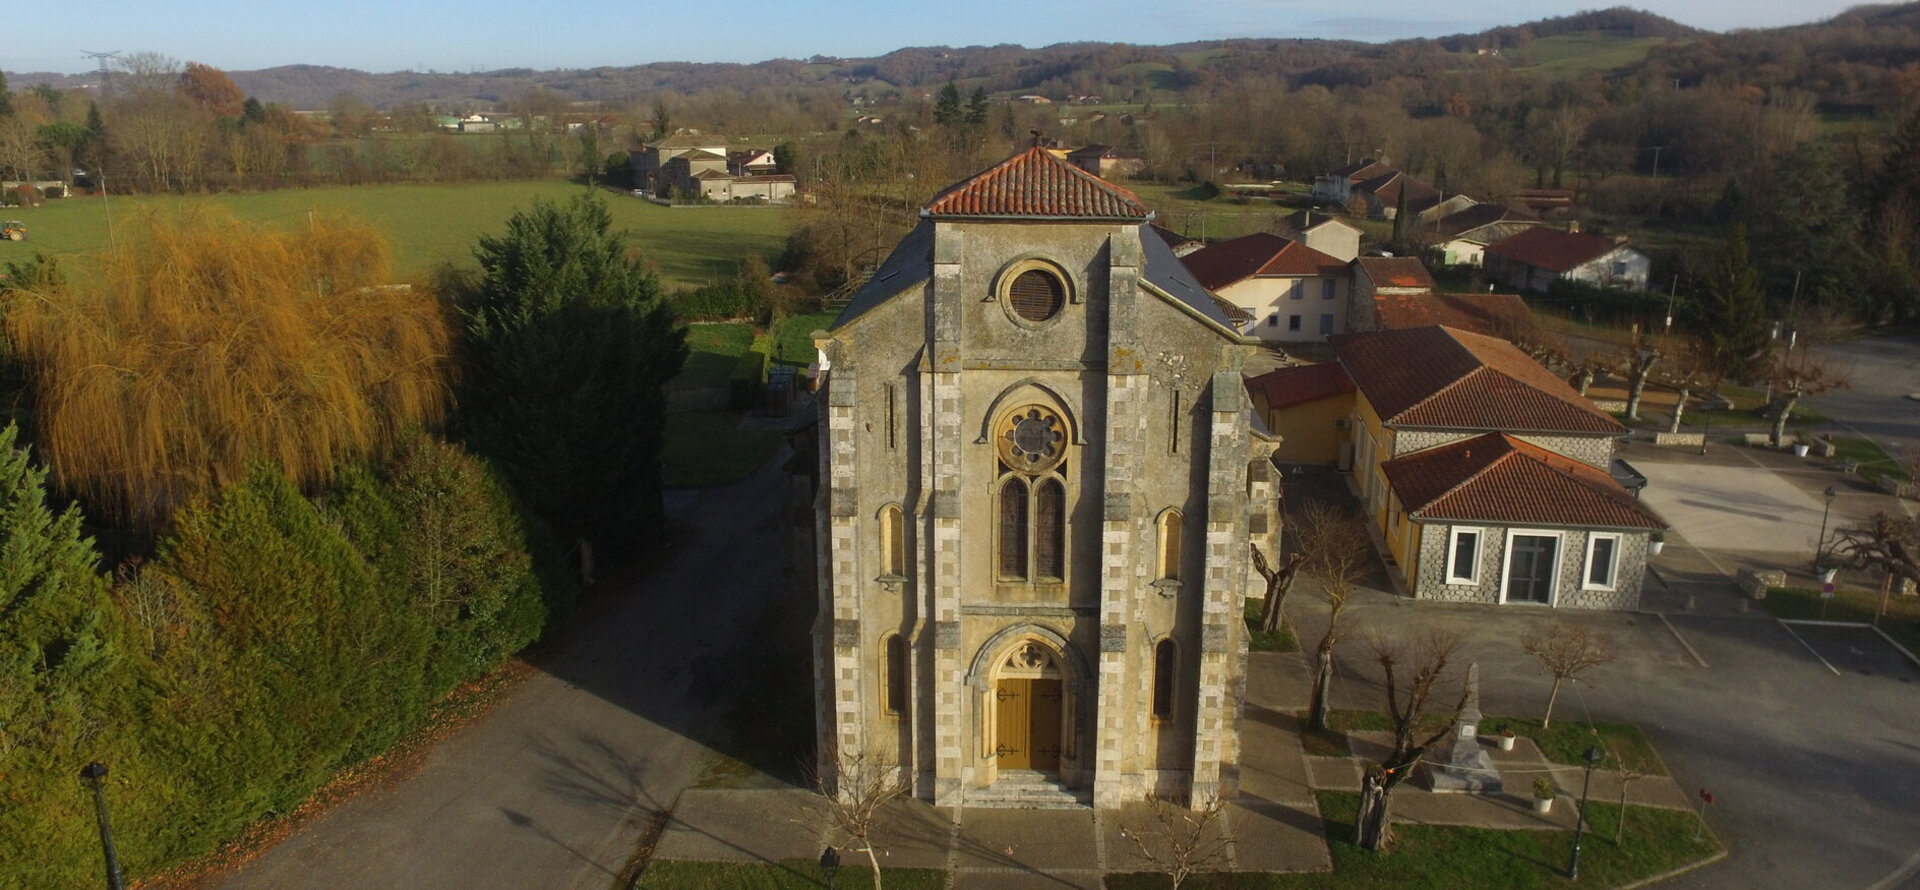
[1629, 576]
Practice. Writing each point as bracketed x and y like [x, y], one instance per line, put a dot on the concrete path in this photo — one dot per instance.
[556, 786]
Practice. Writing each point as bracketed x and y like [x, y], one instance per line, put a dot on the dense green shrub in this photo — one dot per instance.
[273, 640]
[722, 301]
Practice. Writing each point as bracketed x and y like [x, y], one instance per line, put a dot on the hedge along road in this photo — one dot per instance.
[427, 224]
[555, 787]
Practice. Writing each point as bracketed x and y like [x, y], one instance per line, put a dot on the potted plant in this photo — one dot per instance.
[1505, 738]
[1543, 795]
[1656, 544]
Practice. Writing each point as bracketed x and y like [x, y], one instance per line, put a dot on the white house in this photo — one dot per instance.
[1290, 292]
[1535, 258]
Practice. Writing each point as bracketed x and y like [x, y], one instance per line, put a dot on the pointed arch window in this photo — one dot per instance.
[1166, 660]
[1013, 529]
[1031, 537]
[1050, 530]
[893, 541]
[1170, 545]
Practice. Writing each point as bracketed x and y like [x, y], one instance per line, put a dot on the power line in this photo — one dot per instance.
[102, 59]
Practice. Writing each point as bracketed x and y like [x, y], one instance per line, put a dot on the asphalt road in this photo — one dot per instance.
[1882, 371]
[555, 787]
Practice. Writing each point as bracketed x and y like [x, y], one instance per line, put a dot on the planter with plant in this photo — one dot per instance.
[1656, 544]
[1505, 739]
[1543, 794]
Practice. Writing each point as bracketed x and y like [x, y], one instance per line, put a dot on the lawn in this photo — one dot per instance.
[789, 875]
[1281, 640]
[712, 352]
[1874, 461]
[430, 224]
[1432, 857]
[1903, 612]
[710, 448]
[1564, 742]
[793, 337]
[1582, 51]
[1182, 209]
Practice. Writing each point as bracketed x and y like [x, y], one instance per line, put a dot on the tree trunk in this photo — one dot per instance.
[1620, 826]
[1274, 610]
[875, 862]
[1639, 388]
[1780, 419]
[1548, 719]
[1372, 829]
[1322, 685]
[1586, 380]
[1679, 408]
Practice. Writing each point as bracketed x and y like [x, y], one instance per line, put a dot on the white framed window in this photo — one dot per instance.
[1603, 561]
[1530, 571]
[1297, 290]
[1463, 555]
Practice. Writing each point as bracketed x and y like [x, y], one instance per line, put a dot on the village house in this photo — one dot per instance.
[1039, 477]
[1106, 162]
[1290, 292]
[650, 160]
[1536, 257]
[1323, 233]
[1391, 293]
[1337, 186]
[1460, 238]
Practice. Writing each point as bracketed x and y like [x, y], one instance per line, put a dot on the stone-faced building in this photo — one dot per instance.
[1039, 477]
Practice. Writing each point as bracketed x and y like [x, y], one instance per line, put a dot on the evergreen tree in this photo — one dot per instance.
[946, 110]
[569, 344]
[1811, 231]
[977, 108]
[1732, 313]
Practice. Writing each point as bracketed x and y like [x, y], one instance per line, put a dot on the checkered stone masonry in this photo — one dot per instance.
[1128, 392]
[843, 536]
[945, 439]
[1226, 579]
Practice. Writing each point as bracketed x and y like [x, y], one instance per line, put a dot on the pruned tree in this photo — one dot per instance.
[857, 786]
[1638, 359]
[1885, 542]
[1794, 380]
[1415, 668]
[1335, 554]
[1566, 651]
[1273, 607]
[1687, 368]
[1178, 838]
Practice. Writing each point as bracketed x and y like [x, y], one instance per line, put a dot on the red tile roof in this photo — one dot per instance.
[1396, 271]
[1301, 384]
[1439, 377]
[1261, 253]
[1497, 478]
[1036, 183]
[1548, 248]
[1496, 315]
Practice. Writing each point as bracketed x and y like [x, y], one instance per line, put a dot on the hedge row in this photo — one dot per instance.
[274, 639]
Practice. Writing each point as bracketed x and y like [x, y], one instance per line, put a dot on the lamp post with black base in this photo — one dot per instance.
[94, 773]
[1593, 758]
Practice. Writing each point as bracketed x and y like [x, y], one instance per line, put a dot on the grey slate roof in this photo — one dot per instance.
[911, 263]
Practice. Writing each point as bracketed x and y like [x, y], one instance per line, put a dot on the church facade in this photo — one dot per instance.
[1039, 478]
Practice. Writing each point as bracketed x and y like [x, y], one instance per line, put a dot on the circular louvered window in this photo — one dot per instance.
[1036, 295]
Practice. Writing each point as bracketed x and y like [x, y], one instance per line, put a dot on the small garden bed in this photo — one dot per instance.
[1281, 640]
[1563, 742]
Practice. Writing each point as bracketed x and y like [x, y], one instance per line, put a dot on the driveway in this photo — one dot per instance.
[1882, 370]
[555, 787]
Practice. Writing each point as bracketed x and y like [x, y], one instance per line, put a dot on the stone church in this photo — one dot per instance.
[1039, 476]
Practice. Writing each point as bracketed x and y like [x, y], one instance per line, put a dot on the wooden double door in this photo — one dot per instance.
[1028, 716]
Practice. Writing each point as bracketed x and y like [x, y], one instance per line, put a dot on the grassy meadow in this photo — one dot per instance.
[426, 224]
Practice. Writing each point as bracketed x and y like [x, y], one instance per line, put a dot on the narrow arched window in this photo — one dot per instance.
[1164, 663]
[1013, 529]
[896, 674]
[893, 540]
[1170, 545]
[1050, 530]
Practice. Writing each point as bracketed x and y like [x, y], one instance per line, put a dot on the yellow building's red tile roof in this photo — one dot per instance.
[1444, 378]
[1499, 479]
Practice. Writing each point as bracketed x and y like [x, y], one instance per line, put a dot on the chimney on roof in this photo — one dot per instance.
[1573, 227]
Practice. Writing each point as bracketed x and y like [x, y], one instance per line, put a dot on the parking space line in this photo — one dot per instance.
[1682, 640]
[1816, 653]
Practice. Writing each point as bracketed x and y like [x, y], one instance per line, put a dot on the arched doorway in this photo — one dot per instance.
[1029, 703]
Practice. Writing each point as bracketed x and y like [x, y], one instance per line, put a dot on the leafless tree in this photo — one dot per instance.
[1179, 839]
[1886, 542]
[1794, 380]
[1335, 555]
[1687, 368]
[1638, 359]
[1566, 651]
[1415, 668]
[857, 792]
[1273, 608]
[1628, 775]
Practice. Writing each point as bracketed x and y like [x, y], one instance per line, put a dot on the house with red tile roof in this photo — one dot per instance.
[1487, 476]
[1534, 258]
[1312, 403]
[1292, 292]
[1461, 237]
[1323, 233]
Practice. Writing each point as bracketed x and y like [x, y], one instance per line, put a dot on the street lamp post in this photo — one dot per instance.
[1593, 758]
[1820, 547]
[1709, 431]
[94, 773]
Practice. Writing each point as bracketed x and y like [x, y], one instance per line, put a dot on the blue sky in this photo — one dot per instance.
[465, 35]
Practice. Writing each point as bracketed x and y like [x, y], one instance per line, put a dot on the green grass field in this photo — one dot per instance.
[1579, 52]
[429, 224]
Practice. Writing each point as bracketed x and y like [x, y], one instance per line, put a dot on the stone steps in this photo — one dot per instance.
[1024, 790]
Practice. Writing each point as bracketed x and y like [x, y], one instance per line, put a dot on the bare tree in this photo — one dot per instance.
[1638, 360]
[1335, 554]
[1566, 651]
[1273, 608]
[1178, 839]
[1628, 775]
[860, 786]
[1687, 369]
[1793, 381]
[1415, 668]
[1886, 542]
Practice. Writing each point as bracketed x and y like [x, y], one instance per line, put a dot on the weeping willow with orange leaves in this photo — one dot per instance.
[207, 344]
